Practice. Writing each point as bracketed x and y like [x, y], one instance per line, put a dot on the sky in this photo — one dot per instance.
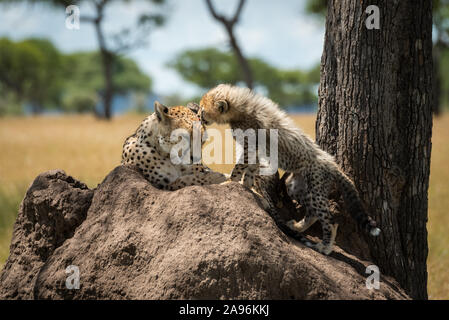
[276, 31]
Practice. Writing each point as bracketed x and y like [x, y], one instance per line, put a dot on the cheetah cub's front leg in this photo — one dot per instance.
[238, 171]
[247, 171]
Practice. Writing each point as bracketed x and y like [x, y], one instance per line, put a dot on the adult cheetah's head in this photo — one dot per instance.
[157, 129]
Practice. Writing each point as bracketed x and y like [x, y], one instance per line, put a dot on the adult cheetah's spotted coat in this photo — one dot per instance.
[149, 150]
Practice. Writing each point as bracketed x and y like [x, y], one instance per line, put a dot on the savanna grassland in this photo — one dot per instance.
[88, 149]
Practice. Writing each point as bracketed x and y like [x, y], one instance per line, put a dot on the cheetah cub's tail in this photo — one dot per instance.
[354, 204]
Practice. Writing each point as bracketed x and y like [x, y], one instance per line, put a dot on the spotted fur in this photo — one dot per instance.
[149, 150]
[314, 171]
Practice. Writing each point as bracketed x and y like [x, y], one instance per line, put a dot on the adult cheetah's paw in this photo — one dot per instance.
[291, 224]
[226, 182]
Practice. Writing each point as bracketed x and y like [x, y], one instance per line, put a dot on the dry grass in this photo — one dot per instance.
[88, 149]
[438, 225]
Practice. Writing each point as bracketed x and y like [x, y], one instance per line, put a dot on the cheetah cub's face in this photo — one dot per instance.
[156, 130]
[215, 108]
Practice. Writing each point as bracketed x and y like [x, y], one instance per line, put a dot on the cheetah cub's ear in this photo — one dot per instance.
[161, 111]
[222, 106]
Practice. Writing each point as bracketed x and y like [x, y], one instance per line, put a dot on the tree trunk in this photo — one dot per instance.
[375, 116]
[246, 69]
[108, 92]
[107, 58]
[229, 24]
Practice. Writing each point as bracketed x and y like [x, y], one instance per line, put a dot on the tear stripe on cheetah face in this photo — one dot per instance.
[149, 150]
[157, 128]
[297, 153]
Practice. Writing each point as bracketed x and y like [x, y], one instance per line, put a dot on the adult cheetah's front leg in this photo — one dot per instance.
[250, 174]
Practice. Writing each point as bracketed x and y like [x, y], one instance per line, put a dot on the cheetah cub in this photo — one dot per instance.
[149, 149]
[314, 173]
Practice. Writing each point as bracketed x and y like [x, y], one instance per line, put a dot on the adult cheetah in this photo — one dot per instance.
[149, 149]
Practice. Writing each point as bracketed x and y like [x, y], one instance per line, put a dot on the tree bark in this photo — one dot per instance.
[229, 24]
[375, 116]
[243, 62]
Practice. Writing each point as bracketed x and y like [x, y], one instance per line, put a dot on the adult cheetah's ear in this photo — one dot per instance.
[161, 111]
[222, 106]
[195, 107]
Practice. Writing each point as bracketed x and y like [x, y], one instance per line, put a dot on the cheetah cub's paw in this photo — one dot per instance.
[292, 224]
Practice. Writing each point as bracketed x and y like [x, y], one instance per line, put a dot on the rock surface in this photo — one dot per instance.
[130, 240]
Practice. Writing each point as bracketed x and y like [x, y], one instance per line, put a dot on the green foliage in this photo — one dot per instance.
[9, 104]
[317, 7]
[441, 12]
[79, 101]
[128, 77]
[33, 71]
[209, 67]
[83, 70]
[177, 99]
[30, 68]
[206, 67]
[84, 80]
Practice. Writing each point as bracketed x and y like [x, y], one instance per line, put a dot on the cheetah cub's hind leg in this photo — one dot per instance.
[318, 204]
[317, 208]
[296, 189]
[310, 193]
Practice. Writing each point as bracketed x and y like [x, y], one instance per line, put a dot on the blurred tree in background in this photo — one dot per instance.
[209, 67]
[317, 8]
[229, 25]
[112, 46]
[30, 72]
[34, 72]
[84, 80]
